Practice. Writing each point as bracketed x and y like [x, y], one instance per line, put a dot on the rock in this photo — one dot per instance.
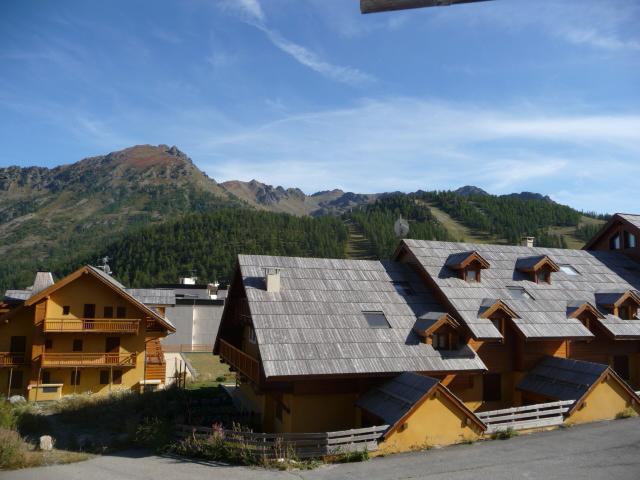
[14, 399]
[46, 443]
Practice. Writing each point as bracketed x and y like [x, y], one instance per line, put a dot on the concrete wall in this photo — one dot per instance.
[195, 324]
[182, 318]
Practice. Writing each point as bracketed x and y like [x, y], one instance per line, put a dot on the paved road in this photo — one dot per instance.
[609, 450]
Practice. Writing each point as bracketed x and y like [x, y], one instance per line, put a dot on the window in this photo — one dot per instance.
[46, 377]
[89, 310]
[108, 312]
[117, 377]
[568, 269]
[66, 309]
[77, 345]
[614, 242]
[491, 387]
[473, 275]
[440, 341]
[18, 344]
[16, 379]
[104, 377]
[621, 366]
[630, 240]
[497, 323]
[403, 288]
[121, 312]
[75, 377]
[48, 344]
[519, 293]
[544, 276]
[252, 336]
[627, 312]
[376, 319]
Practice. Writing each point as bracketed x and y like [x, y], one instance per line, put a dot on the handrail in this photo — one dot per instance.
[245, 364]
[88, 359]
[95, 325]
[10, 359]
[529, 416]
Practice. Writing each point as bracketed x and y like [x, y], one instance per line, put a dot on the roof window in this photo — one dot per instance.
[376, 319]
[519, 293]
[569, 270]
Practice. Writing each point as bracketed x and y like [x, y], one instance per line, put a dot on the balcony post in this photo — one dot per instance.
[10, 380]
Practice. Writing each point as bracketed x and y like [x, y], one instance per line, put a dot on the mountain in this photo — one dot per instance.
[294, 200]
[75, 209]
[113, 204]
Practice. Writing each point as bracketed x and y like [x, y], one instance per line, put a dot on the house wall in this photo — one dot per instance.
[604, 402]
[182, 318]
[437, 421]
[20, 325]
[618, 228]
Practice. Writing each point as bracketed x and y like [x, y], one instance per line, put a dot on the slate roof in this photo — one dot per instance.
[562, 378]
[153, 296]
[544, 315]
[315, 324]
[393, 400]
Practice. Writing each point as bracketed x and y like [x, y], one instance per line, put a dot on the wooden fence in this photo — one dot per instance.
[301, 445]
[530, 416]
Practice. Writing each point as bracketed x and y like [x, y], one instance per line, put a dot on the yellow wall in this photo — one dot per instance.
[437, 421]
[322, 413]
[604, 402]
[19, 325]
[471, 397]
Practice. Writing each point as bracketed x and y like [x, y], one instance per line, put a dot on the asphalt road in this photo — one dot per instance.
[609, 450]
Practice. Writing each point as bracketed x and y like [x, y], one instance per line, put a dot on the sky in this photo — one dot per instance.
[508, 95]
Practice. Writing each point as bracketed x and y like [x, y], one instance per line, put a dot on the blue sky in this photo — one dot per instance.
[509, 95]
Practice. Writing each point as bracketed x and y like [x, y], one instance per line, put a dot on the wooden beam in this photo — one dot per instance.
[373, 6]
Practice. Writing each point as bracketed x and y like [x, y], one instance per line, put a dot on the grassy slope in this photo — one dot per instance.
[458, 230]
[358, 246]
[208, 368]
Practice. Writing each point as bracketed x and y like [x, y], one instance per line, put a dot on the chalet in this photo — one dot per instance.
[84, 333]
[533, 302]
[309, 336]
[620, 233]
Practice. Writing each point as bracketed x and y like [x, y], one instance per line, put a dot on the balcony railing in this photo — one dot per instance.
[12, 359]
[88, 359]
[243, 363]
[91, 325]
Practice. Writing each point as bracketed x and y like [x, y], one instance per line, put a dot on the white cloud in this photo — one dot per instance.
[253, 14]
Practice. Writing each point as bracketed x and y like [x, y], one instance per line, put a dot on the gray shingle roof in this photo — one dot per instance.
[315, 325]
[393, 400]
[153, 296]
[562, 378]
[631, 218]
[545, 315]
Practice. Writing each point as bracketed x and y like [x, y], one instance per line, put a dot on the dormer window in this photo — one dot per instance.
[623, 305]
[498, 312]
[615, 243]
[585, 312]
[539, 268]
[444, 341]
[438, 329]
[630, 240]
[468, 265]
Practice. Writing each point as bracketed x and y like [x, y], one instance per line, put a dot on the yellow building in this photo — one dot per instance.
[84, 333]
[597, 391]
[420, 413]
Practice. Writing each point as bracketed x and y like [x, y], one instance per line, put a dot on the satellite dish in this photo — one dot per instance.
[401, 227]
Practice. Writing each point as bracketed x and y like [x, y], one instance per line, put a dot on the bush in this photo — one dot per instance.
[504, 434]
[12, 450]
[154, 433]
[220, 378]
[7, 414]
[627, 413]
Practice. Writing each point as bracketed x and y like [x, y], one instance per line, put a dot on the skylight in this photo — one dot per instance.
[519, 293]
[569, 270]
[403, 287]
[376, 319]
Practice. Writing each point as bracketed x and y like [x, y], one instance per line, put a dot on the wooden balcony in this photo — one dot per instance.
[88, 359]
[243, 363]
[12, 359]
[91, 325]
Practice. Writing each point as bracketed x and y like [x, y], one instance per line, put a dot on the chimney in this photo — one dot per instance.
[528, 241]
[272, 279]
[42, 281]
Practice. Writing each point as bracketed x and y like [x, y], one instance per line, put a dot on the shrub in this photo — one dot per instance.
[220, 378]
[154, 433]
[7, 414]
[504, 434]
[12, 450]
[351, 457]
[627, 413]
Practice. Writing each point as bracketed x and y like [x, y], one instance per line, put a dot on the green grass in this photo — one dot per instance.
[460, 231]
[210, 372]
